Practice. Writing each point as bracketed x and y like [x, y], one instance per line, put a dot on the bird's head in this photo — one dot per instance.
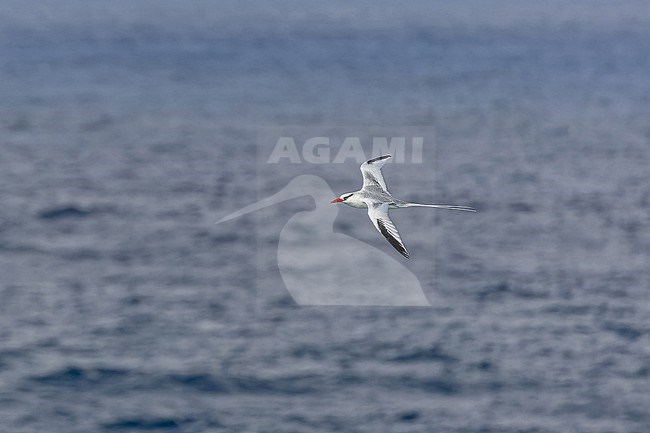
[342, 198]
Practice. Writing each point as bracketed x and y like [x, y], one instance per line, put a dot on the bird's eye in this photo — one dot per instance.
[347, 197]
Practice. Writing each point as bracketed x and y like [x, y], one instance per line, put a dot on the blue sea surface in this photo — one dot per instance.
[127, 129]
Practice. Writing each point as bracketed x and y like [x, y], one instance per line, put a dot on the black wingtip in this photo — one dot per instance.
[394, 242]
[379, 158]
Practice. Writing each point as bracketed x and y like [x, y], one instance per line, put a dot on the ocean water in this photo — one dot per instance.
[127, 130]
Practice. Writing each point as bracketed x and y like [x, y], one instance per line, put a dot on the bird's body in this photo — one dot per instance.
[375, 197]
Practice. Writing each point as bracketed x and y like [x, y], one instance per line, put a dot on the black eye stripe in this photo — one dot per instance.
[345, 198]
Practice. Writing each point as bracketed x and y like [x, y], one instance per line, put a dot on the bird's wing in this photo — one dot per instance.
[371, 171]
[378, 213]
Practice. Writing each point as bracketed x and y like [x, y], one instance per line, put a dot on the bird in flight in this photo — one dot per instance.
[375, 197]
